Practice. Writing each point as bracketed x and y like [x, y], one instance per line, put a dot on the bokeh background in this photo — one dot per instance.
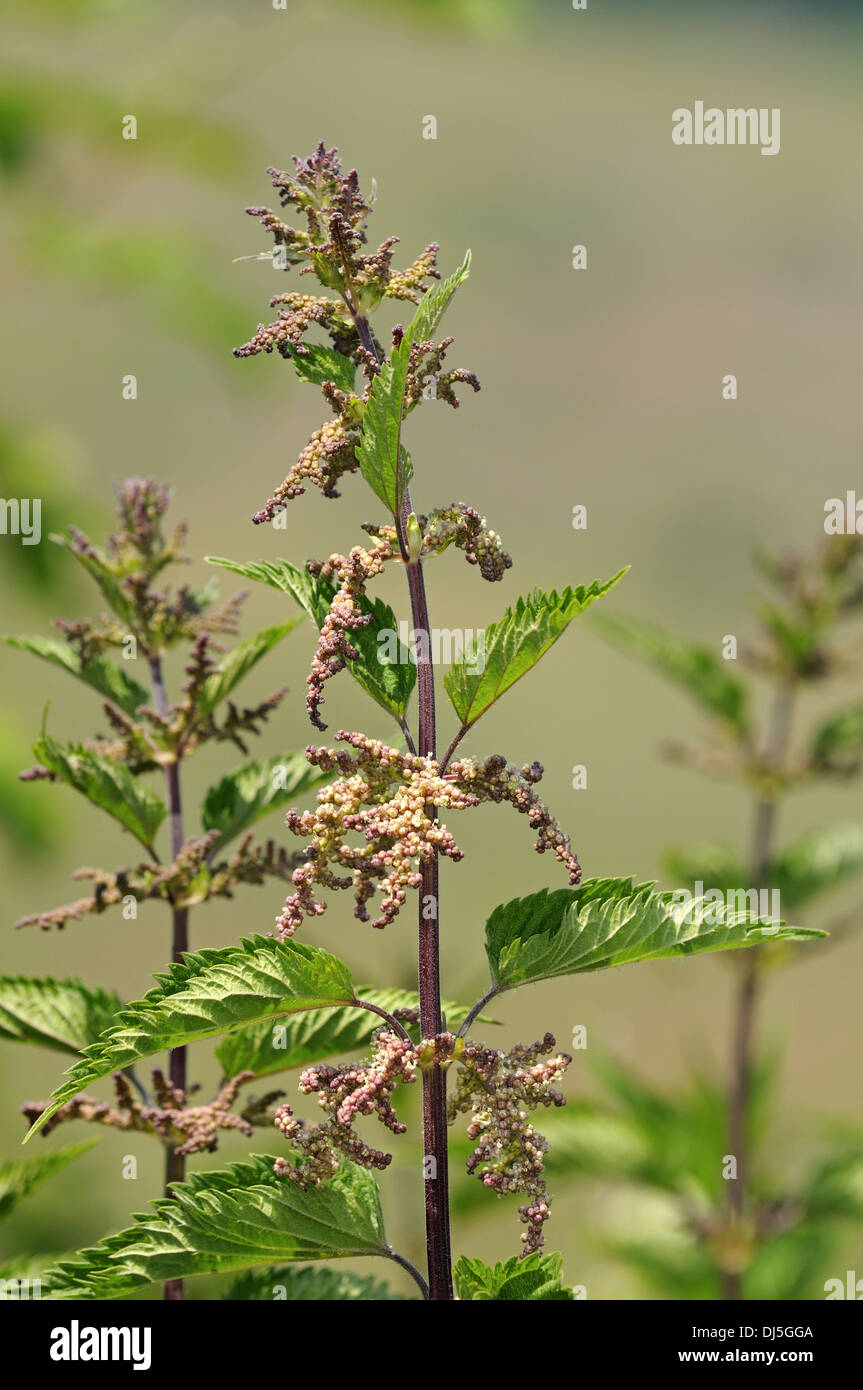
[599, 387]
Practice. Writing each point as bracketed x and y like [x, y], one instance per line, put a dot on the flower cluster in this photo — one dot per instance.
[329, 454]
[390, 799]
[352, 572]
[498, 1090]
[330, 247]
[387, 798]
[297, 312]
[125, 570]
[189, 879]
[344, 1093]
[193, 720]
[497, 780]
[187, 1129]
[426, 379]
[464, 528]
[335, 213]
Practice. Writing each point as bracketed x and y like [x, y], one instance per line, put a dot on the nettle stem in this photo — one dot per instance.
[435, 1139]
[435, 1134]
[748, 989]
[175, 1164]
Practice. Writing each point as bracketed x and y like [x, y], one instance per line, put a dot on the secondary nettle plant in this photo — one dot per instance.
[742, 1230]
[147, 737]
[378, 832]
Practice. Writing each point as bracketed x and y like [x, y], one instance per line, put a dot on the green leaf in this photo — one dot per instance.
[17, 1180]
[533, 1279]
[384, 462]
[103, 675]
[106, 784]
[694, 667]
[309, 591]
[834, 1190]
[511, 647]
[819, 861]
[610, 921]
[390, 684]
[792, 1266]
[229, 1219]
[320, 364]
[309, 1284]
[798, 641]
[239, 662]
[61, 1014]
[307, 1038]
[211, 993]
[243, 796]
[19, 1273]
[838, 743]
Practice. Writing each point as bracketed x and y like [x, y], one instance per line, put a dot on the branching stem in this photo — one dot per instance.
[175, 1164]
[746, 1004]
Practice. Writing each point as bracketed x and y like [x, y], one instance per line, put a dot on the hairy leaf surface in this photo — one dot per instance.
[106, 784]
[611, 921]
[229, 1219]
[512, 646]
[211, 993]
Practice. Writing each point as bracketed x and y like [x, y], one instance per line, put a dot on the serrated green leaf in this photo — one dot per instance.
[17, 1180]
[239, 662]
[101, 674]
[319, 364]
[390, 684]
[537, 1278]
[306, 1038]
[230, 1219]
[64, 1015]
[243, 796]
[94, 560]
[311, 592]
[692, 666]
[512, 646]
[837, 745]
[309, 1284]
[384, 462]
[20, 1275]
[819, 861]
[108, 785]
[211, 993]
[608, 922]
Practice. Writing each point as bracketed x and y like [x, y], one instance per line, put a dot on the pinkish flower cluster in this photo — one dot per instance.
[328, 455]
[344, 1093]
[385, 797]
[334, 647]
[390, 800]
[498, 1089]
[186, 1129]
[497, 780]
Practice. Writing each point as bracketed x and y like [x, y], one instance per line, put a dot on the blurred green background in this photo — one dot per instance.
[599, 387]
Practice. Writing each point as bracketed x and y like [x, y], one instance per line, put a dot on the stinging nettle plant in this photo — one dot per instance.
[747, 1232]
[378, 831]
[148, 736]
